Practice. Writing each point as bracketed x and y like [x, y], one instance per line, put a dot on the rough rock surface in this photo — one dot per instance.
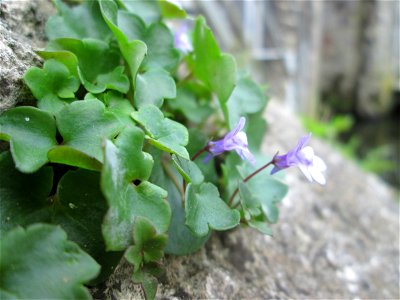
[21, 32]
[340, 241]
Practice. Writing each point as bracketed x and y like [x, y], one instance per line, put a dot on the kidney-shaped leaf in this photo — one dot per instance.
[84, 125]
[153, 86]
[32, 133]
[98, 64]
[148, 244]
[132, 50]
[72, 157]
[80, 21]
[129, 195]
[205, 210]
[171, 9]
[80, 211]
[217, 70]
[23, 197]
[53, 86]
[148, 11]
[127, 26]
[266, 191]
[246, 98]
[181, 240]
[40, 263]
[188, 169]
[164, 133]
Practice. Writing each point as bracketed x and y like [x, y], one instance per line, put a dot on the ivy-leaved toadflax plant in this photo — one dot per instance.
[111, 162]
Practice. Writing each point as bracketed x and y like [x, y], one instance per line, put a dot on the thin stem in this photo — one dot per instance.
[247, 179]
[174, 180]
[205, 148]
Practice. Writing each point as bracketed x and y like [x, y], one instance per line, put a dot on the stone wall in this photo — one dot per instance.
[21, 32]
[338, 241]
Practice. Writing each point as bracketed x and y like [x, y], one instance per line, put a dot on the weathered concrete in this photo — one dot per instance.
[21, 32]
[334, 242]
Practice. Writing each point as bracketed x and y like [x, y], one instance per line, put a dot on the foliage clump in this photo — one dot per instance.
[102, 167]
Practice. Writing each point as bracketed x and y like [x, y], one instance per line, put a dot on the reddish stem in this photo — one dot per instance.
[205, 148]
[248, 178]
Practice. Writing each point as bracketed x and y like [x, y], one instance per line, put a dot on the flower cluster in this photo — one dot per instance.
[302, 156]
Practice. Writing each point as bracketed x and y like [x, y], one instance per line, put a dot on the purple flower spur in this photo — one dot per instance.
[303, 157]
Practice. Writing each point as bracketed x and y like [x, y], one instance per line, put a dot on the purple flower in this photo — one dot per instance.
[303, 157]
[181, 38]
[234, 140]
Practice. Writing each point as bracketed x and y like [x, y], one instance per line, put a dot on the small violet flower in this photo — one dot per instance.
[303, 157]
[234, 140]
[181, 38]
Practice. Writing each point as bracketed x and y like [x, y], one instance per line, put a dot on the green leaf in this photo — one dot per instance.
[132, 50]
[197, 140]
[148, 244]
[65, 57]
[23, 197]
[246, 98]
[129, 195]
[119, 106]
[85, 124]
[147, 10]
[260, 226]
[157, 37]
[205, 210]
[256, 129]
[266, 191]
[251, 206]
[32, 133]
[114, 80]
[40, 263]
[188, 169]
[217, 70]
[171, 10]
[164, 133]
[98, 65]
[80, 21]
[70, 156]
[231, 175]
[148, 282]
[161, 50]
[195, 110]
[145, 92]
[181, 240]
[80, 210]
[53, 86]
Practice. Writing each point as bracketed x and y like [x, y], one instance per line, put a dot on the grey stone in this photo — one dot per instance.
[339, 241]
[21, 32]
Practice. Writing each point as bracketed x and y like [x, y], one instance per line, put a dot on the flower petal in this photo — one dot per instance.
[308, 153]
[208, 157]
[319, 164]
[305, 171]
[239, 126]
[275, 169]
[317, 175]
[302, 142]
[244, 153]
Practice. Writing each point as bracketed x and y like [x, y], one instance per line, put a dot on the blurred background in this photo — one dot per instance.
[335, 63]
